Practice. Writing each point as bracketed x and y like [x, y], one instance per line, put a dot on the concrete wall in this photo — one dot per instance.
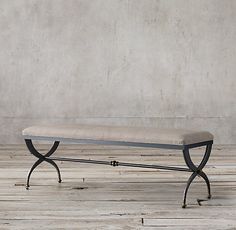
[167, 63]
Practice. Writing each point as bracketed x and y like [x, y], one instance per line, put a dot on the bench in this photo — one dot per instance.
[148, 137]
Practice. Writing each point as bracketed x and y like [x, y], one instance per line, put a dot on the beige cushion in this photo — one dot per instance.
[119, 133]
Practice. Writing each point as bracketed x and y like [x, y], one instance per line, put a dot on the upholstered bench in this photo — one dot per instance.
[124, 136]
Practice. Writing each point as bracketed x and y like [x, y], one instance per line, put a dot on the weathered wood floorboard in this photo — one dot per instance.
[104, 197]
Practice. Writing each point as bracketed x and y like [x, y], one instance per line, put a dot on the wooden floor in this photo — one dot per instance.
[104, 197]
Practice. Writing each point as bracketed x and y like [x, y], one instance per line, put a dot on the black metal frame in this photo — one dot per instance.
[195, 169]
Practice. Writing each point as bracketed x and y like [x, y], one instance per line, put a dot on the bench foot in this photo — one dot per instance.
[197, 171]
[41, 159]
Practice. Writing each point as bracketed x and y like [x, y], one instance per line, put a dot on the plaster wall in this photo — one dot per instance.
[165, 63]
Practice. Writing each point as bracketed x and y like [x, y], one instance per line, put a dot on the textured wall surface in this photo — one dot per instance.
[167, 63]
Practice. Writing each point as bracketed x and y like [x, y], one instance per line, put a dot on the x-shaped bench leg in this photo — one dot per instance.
[197, 171]
[42, 158]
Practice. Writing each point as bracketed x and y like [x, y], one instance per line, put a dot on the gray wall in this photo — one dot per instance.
[167, 63]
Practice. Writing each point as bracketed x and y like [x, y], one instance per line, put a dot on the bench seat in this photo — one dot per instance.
[118, 133]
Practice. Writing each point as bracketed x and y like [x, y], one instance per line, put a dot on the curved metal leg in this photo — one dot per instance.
[190, 180]
[38, 162]
[197, 171]
[204, 176]
[42, 158]
[56, 167]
